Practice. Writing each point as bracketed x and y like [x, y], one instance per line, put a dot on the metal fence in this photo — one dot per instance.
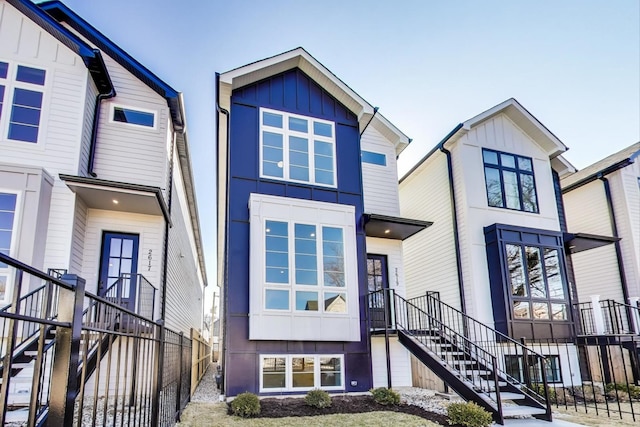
[75, 359]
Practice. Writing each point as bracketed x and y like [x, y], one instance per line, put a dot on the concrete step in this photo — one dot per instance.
[519, 411]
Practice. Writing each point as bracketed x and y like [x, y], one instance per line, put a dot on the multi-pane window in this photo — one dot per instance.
[304, 267]
[297, 148]
[535, 280]
[21, 88]
[514, 366]
[301, 372]
[7, 223]
[509, 181]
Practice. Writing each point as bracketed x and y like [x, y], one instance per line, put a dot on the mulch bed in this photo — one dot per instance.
[295, 407]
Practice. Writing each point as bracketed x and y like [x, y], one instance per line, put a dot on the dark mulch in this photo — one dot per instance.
[295, 407]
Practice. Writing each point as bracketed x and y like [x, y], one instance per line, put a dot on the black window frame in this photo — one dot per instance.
[554, 368]
[518, 172]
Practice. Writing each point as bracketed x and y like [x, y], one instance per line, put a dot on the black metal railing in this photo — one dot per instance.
[134, 292]
[111, 365]
[612, 318]
[475, 352]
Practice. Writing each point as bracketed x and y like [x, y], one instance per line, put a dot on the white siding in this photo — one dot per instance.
[87, 126]
[400, 363]
[625, 189]
[586, 210]
[129, 153]
[61, 221]
[380, 183]
[150, 229]
[184, 278]
[77, 245]
[429, 256]
[498, 133]
[393, 250]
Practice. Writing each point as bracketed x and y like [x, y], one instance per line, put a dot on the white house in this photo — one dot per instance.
[603, 199]
[95, 175]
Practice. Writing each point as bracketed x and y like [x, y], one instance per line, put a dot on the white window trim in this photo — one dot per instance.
[289, 372]
[13, 246]
[10, 83]
[301, 325]
[292, 286]
[310, 136]
[113, 106]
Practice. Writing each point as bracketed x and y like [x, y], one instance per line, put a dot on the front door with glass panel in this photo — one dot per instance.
[118, 267]
[378, 280]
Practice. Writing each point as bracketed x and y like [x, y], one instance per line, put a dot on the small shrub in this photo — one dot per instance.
[246, 405]
[385, 396]
[318, 399]
[468, 414]
[632, 391]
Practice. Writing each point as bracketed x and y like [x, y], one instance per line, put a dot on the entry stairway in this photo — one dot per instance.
[479, 363]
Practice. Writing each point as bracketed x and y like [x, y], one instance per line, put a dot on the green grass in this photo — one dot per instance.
[215, 415]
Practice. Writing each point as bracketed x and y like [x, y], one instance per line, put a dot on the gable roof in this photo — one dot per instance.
[521, 117]
[300, 58]
[600, 168]
[90, 56]
[62, 13]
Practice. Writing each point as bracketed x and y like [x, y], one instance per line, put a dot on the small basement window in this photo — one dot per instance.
[134, 117]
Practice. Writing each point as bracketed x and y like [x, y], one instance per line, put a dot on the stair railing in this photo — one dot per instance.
[482, 348]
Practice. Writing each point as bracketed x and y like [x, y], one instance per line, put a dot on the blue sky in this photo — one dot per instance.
[428, 65]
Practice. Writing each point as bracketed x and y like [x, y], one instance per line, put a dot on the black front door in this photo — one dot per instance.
[119, 264]
[378, 280]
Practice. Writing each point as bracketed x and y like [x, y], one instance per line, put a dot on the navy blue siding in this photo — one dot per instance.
[496, 236]
[294, 92]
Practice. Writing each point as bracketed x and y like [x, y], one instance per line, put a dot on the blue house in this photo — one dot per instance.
[308, 225]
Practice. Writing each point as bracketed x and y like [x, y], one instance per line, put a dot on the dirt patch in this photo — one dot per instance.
[296, 407]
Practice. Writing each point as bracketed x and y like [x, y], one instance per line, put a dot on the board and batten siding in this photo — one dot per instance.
[150, 228]
[474, 213]
[595, 270]
[25, 43]
[400, 363]
[380, 183]
[184, 279]
[429, 256]
[126, 152]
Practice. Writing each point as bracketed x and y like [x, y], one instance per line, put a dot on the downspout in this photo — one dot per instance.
[454, 218]
[614, 229]
[375, 111]
[167, 226]
[225, 262]
[96, 120]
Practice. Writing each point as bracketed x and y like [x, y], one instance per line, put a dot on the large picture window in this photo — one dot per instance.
[510, 181]
[21, 95]
[301, 372]
[297, 148]
[8, 204]
[536, 285]
[305, 272]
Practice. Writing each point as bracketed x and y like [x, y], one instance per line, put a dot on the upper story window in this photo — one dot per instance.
[297, 148]
[133, 116]
[510, 181]
[373, 158]
[21, 94]
[7, 224]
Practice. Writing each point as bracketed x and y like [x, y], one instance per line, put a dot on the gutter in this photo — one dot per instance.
[594, 176]
[225, 302]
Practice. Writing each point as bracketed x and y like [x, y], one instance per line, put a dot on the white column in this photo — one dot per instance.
[635, 314]
[598, 317]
